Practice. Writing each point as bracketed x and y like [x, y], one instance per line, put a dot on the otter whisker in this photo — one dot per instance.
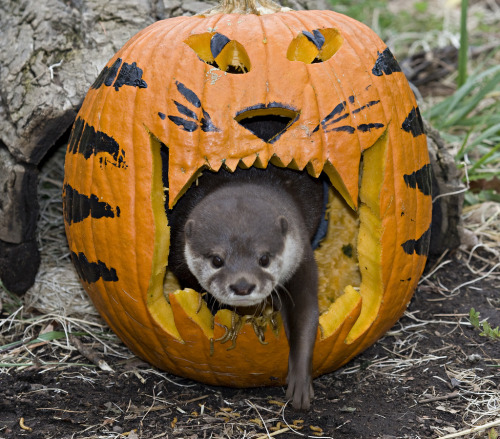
[278, 298]
[283, 288]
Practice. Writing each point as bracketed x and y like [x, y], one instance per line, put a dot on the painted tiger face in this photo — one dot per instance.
[308, 90]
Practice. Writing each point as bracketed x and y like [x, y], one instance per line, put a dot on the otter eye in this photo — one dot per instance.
[217, 261]
[264, 260]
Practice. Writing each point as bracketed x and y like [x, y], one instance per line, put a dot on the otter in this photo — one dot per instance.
[245, 237]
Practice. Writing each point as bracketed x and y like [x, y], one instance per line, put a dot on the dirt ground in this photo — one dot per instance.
[431, 376]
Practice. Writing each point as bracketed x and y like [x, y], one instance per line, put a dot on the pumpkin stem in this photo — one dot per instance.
[258, 7]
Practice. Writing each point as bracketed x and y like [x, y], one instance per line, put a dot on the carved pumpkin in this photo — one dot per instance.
[184, 94]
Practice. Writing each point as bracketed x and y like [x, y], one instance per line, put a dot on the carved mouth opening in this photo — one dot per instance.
[350, 289]
[269, 122]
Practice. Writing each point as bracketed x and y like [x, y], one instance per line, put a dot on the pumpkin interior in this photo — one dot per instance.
[349, 259]
[219, 51]
[313, 47]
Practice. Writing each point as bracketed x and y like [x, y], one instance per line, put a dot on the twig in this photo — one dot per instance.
[465, 189]
[90, 354]
[472, 430]
[251, 404]
[193, 400]
[439, 398]
[298, 432]
[477, 279]
[274, 433]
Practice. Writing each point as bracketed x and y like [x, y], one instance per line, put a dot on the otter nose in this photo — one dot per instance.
[242, 288]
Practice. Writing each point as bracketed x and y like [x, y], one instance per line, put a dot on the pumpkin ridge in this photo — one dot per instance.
[88, 248]
[293, 33]
[311, 80]
[167, 129]
[330, 19]
[103, 95]
[403, 228]
[376, 43]
[406, 227]
[204, 88]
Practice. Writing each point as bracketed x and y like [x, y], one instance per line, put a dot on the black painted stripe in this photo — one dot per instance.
[186, 125]
[369, 104]
[217, 43]
[207, 125]
[413, 123]
[87, 141]
[78, 207]
[337, 110]
[421, 179]
[320, 38]
[385, 64]
[131, 75]
[345, 128]
[190, 95]
[185, 111]
[316, 38]
[107, 75]
[162, 115]
[364, 127]
[419, 246]
[333, 121]
[91, 272]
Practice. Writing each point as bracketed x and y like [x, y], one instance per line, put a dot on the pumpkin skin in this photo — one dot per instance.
[351, 115]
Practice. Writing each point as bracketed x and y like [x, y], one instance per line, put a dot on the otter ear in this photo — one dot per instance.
[188, 228]
[283, 225]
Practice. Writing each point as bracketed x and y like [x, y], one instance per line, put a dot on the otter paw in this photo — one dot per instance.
[300, 392]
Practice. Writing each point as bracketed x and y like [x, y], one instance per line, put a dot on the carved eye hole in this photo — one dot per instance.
[219, 51]
[314, 47]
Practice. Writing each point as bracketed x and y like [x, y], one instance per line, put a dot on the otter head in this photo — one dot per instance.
[240, 246]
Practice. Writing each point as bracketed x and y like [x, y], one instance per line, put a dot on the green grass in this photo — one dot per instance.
[470, 120]
[483, 326]
[401, 26]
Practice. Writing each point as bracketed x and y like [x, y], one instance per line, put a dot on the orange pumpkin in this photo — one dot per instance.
[185, 88]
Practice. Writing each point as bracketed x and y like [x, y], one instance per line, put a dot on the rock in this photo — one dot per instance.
[53, 50]
[18, 265]
[191, 7]
[18, 199]
[51, 53]
[447, 193]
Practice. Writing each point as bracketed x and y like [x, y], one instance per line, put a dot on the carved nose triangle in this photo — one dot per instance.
[267, 122]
